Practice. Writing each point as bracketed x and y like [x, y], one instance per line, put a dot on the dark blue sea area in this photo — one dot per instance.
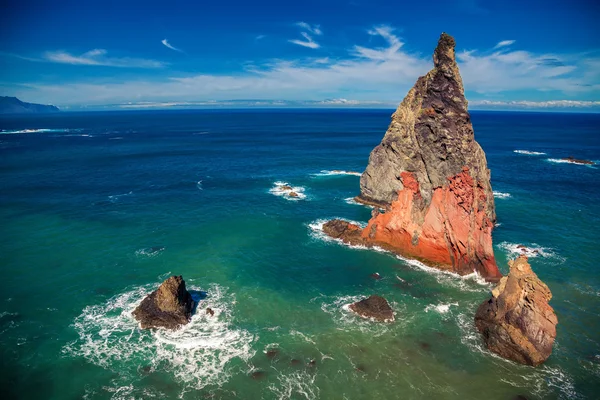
[98, 208]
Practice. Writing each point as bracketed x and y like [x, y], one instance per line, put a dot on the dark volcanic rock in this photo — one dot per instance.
[517, 322]
[431, 177]
[344, 230]
[375, 307]
[169, 306]
[578, 161]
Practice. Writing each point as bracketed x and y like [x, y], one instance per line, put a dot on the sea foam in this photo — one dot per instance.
[198, 354]
[278, 190]
[336, 172]
[529, 153]
[531, 251]
[501, 195]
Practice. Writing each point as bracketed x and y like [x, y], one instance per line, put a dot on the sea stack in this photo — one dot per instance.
[431, 178]
[517, 322]
[169, 306]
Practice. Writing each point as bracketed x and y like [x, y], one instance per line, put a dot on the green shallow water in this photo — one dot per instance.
[92, 224]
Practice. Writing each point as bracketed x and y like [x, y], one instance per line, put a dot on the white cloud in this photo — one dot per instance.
[99, 57]
[167, 44]
[375, 73]
[259, 37]
[536, 104]
[314, 29]
[504, 43]
[308, 42]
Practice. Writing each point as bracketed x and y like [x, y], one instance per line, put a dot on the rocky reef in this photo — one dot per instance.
[431, 178]
[517, 322]
[169, 306]
[375, 307]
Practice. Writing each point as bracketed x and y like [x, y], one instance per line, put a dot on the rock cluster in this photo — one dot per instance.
[169, 306]
[517, 322]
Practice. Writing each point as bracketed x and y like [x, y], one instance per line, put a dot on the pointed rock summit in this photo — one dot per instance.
[431, 178]
[517, 322]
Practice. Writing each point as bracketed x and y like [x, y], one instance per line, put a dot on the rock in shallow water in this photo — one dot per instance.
[517, 322]
[169, 306]
[375, 307]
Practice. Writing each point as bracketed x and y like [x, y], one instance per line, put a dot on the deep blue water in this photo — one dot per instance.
[97, 208]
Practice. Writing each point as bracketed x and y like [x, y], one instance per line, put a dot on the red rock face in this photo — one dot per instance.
[431, 176]
[453, 233]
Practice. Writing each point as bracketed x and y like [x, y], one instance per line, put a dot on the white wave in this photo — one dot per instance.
[297, 384]
[530, 153]
[149, 251]
[336, 172]
[453, 279]
[116, 197]
[532, 250]
[41, 130]
[440, 308]
[352, 201]
[500, 195]
[284, 189]
[565, 161]
[198, 354]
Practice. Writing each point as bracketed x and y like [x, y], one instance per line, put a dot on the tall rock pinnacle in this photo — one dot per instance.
[431, 177]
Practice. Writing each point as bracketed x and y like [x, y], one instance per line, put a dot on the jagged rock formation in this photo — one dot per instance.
[431, 177]
[375, 307]
[169, 306]
[12, 105]
[517, 322]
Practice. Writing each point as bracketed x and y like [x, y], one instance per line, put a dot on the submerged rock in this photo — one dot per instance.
[577, 161]
[375, 307]
[517, 322]
[431, 177]
[169, 306]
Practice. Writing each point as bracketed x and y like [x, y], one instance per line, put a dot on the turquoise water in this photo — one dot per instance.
[98, 208]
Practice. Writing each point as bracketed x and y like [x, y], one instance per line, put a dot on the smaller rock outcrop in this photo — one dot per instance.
[375, 307]
[574, 160]
[345, 231]
[517, 322]
[169, 306]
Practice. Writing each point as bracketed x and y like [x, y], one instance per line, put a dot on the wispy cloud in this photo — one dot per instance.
[504, 43]
[372, 73]
[167, 44]
[536, 104]
[259, 37]
[314, 29]
[310, 30]
[99, 57]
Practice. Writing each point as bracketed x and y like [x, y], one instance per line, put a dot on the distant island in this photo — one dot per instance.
[12, 105]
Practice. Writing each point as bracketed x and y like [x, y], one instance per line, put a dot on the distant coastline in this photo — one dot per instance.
[12, 105]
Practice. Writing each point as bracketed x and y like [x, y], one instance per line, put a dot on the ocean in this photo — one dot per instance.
[97, 209]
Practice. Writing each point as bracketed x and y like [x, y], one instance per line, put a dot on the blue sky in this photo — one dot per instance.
[129, 54]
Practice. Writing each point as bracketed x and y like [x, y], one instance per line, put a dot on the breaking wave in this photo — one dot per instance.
[529, 153]
[40, 130]
[284, 189]
[564, 161]
[198, 354]
[462, 282]
[501, 195]
[532, 250]
[336, 172]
